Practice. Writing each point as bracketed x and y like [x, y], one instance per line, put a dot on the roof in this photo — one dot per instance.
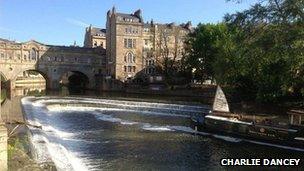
[130, 16]
[147, 25]
[98, 31]
[6, 40]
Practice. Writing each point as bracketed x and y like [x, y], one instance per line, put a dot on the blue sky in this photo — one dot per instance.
[61, 22]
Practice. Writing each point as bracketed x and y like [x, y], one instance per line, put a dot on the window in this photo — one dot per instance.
[130, 57]
[130, 43]
[150, 62]
[101, 44]
[2, 56]
[33, 54]
[134, 43]
[134, 68]
[129, 68]
[125, 68]
[95, 43]
[126, 43]
[146, 42]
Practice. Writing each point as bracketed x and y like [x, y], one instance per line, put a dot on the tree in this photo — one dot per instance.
[271, 38]
[258, 52]
[169, 50]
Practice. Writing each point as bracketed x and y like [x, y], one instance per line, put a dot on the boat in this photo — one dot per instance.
[251, 127]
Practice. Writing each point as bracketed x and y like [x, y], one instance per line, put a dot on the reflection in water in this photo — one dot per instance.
[30, 83]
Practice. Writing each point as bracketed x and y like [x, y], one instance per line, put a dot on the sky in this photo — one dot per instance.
[61, 22]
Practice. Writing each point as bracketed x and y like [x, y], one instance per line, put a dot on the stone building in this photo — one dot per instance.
[128, 48]
[134, 47]
[52, 62]
[95, 37]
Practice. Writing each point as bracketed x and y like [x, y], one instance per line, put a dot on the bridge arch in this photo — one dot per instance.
[3, 90]
[75, 79]
[3, 77]
[30, 70]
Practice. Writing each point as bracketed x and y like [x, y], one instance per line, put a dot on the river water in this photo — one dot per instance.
[79, 133]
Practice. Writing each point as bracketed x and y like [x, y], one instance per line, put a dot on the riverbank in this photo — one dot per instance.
[20, 154]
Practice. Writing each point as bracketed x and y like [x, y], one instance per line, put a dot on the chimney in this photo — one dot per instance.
[188, 25]
[109, 13]
[114, 10]
[139, 15]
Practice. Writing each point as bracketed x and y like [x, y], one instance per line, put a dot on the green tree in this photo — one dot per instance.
[202, 49]
[257, 52]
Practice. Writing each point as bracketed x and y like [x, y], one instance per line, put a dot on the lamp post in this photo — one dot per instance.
[193, 72]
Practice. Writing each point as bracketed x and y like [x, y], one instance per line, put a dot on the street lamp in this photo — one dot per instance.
[193, 71]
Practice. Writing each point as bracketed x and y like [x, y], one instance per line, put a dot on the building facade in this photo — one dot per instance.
[95, 37]
[128, 48]
[52, 62]
[134, 47]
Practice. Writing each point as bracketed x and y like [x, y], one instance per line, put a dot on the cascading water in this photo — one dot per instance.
[96, 134]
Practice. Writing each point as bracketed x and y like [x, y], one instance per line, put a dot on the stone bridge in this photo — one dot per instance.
[52, 62]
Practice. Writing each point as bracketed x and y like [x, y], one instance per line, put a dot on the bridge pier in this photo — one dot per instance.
[3, 141]
[53, 85]
[3, 148]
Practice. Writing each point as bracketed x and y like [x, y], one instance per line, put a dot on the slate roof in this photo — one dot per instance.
[130, 16]
[98, 31]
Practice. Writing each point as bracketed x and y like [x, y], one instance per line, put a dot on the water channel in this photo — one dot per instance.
[129, 132]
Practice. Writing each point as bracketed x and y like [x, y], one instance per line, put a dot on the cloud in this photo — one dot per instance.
[76, 22]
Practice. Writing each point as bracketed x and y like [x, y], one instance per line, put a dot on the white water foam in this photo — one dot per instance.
[227, 138]
[92, 109]
[64, 159]
[109, 118]
[157, 128]
[59, 133]
[47, 146]
[128, 104]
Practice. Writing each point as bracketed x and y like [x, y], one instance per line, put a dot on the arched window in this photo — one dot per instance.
[130, 58]
[33, 54]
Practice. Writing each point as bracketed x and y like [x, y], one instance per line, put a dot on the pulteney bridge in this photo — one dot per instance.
[52, 62]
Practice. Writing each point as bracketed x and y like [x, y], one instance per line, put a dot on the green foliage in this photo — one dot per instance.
[258, 52]
[202, 50]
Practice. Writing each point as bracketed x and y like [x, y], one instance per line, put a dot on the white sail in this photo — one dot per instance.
[220, 103]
